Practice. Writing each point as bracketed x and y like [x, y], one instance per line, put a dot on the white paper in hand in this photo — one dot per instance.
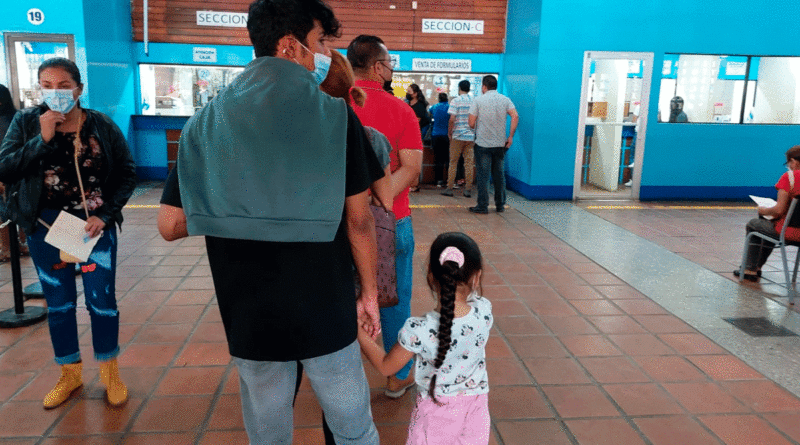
[764, 202]
[68, 233]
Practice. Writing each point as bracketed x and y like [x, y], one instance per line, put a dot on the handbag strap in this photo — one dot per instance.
[78, 146]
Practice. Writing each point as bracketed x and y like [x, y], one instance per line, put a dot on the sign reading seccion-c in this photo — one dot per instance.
[449, 26]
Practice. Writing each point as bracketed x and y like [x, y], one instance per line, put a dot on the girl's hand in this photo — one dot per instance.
[48, 122]
[94, 226]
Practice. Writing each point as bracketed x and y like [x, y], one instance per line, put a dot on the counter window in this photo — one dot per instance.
[181, 90]
[432, 84]
[729, 89]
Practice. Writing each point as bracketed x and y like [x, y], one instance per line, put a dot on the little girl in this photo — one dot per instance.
[449, 346]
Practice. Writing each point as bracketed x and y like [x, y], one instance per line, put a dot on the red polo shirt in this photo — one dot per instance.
[397, 121]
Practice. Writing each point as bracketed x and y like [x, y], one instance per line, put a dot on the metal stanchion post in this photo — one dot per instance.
[19, 315]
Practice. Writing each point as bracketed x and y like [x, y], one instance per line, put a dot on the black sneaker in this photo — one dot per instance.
[477, 209]
[467, 193]
[448, 192]
[501, 209]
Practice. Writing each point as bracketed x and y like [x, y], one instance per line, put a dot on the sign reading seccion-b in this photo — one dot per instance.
[452, 65]
[218, 18]
[451, 26]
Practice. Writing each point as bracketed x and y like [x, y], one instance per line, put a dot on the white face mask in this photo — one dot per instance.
[322, 64]
[62, 101]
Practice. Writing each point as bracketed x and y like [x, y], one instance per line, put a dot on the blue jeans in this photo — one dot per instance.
[58, 286]
[339, 382]
[393, 318]
[490, 159]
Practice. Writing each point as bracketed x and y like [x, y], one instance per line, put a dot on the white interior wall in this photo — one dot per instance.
[776, 91]
[696, 78]
[610, 84]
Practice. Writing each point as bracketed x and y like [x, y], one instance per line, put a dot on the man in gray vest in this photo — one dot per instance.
[487, 116]
[275, 174]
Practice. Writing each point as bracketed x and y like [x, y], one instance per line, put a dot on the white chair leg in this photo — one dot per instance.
[789, 283]
[747, 241]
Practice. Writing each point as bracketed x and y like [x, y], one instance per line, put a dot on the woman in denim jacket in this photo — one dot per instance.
[44, 151]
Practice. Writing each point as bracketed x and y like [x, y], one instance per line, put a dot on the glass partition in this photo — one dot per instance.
[432, 84]
[181, 90]
[697, 88]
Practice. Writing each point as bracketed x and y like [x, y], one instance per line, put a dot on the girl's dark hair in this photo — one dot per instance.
[65, 64]
[444, 279]
[793, 153]
[7, 107]
[418, 92]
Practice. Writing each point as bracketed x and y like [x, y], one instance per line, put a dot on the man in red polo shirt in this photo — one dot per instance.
[396, 120]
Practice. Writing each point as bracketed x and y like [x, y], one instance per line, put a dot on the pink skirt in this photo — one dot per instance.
[460, 420]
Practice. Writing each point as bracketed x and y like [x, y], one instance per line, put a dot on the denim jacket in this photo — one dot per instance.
[21, 169]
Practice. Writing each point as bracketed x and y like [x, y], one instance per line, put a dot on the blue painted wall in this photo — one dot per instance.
[110, 66]
[692, 161]
[60, 17]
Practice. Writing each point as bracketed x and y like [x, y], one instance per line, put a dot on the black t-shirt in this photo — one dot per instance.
[421, 110]
[289, 301]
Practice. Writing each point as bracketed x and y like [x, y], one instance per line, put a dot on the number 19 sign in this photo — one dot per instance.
[35, 16]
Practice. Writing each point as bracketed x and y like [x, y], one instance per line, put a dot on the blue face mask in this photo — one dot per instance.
[322, 64]
[61, 101]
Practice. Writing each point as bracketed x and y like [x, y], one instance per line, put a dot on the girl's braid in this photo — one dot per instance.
[447, 298]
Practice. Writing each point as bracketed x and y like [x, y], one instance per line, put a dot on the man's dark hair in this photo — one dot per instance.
[269, 20]
[490, 82]
[443, 97]
[364, 51]
[464, 86]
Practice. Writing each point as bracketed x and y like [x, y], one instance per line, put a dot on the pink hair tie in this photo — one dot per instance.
[452, 254]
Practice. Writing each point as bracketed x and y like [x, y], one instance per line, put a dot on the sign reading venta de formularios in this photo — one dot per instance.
[456, 65]
[218, 18]
[451, 26]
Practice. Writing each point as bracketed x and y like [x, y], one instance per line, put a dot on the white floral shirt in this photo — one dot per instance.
[464, 369]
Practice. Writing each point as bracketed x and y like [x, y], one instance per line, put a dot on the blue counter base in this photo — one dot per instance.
[151, 173]
[688, 193]
[539, 192]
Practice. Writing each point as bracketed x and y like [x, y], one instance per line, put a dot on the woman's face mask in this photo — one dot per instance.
[62, 101]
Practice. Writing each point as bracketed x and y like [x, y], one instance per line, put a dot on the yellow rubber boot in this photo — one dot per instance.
[71, 379]
[116, 391]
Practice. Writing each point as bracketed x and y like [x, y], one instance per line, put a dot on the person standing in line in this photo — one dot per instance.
[7, 112]
[439, 138]
[462, 138]
[389, 115]
[281, 194]
[487, 116]
[416, 100]
[449, 348]
[61, 157]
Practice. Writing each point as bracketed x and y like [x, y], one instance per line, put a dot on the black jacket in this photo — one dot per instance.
[22, 171]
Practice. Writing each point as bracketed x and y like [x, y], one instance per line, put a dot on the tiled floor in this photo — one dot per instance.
[592, 345]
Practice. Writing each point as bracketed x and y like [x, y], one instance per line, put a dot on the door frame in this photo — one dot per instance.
[647, 76]
[12, 37]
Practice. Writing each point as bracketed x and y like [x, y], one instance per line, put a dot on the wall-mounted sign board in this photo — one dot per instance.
[208, 55]
[450, 65]
[450, 26]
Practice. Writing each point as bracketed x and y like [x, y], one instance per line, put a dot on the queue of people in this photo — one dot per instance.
[265, 233]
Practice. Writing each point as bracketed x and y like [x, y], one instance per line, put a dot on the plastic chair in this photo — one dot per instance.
[792, 220]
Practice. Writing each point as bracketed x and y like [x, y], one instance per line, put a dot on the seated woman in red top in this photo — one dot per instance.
[788, 187]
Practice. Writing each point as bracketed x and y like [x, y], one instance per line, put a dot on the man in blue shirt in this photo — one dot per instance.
[439, 140]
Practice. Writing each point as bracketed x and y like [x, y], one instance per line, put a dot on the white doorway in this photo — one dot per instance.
[24, 53]
[612, 125]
